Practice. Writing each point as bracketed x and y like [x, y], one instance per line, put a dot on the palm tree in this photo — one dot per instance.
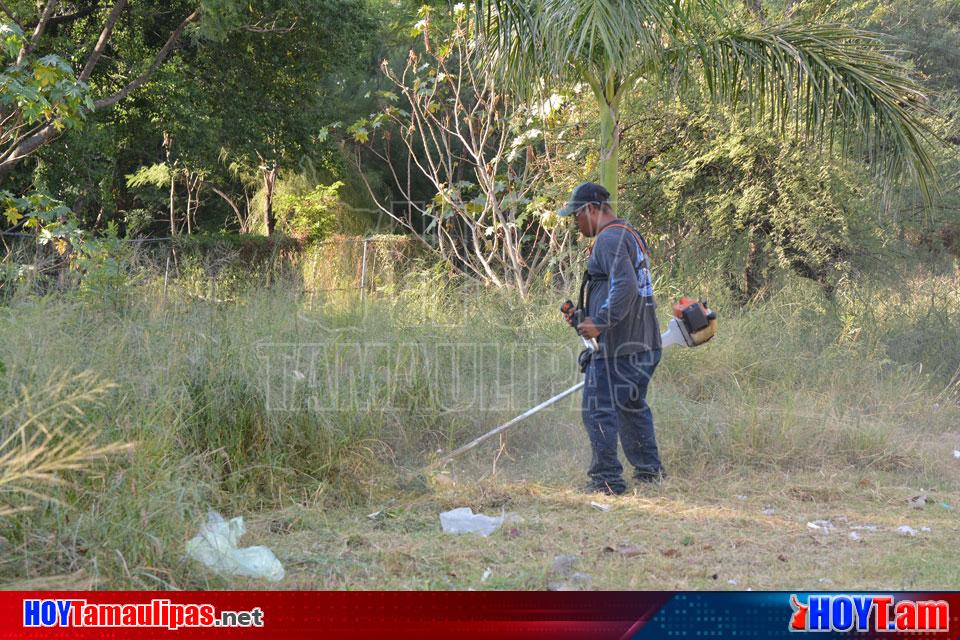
[827, 82]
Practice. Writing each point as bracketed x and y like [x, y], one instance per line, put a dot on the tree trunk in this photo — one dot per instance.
[108, 26]
[269, 181]
[197, 188]
[168, 148]
[247, 214]
[30, 45]
[186, 180]
[609, 140]
[230, 202]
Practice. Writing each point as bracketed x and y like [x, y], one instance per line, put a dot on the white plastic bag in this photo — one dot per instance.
[216, 547]
[464, 520]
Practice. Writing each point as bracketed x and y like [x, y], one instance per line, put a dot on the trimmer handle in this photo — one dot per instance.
[574, 317]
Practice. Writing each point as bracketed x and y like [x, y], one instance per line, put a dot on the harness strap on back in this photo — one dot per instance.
[641, 243]
[583, 299]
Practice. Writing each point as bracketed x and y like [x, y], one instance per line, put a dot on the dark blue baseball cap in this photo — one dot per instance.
[586, 193]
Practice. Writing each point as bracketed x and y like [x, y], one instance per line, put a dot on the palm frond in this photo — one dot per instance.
[559, 40]
[510, 38]
[829, 82]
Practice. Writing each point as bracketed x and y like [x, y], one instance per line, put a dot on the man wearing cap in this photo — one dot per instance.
[621, 313]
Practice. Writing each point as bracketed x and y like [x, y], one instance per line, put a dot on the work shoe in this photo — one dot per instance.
[651, 478]
[603, 488]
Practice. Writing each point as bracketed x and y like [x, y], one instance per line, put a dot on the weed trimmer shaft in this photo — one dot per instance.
[693, 324]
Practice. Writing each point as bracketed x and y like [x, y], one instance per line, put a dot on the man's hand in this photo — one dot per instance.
[587, 329]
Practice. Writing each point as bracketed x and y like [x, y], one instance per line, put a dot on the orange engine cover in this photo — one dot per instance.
[681, 305]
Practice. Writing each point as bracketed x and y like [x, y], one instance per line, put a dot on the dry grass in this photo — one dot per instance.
[688, 534]
[817, 410]
[44, 437]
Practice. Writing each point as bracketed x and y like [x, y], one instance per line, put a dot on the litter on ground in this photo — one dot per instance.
[823, 526]
[464, 520]
[216, 547]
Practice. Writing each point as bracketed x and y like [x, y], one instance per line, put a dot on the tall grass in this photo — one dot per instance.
[43, 437]
[271, 395]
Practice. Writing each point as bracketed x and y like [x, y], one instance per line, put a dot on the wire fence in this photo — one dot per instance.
[17, 234]
[367, 263]
[364, 264]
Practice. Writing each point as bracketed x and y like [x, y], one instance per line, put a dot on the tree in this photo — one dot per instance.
[823, 81]
[484, 160]
[35, 92]
[923, 33]
[281, 77]
[214, 103]
[761, 202]
[53, 124]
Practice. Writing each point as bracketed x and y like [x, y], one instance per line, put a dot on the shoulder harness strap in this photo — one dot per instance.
[641, 243]
[644, 254]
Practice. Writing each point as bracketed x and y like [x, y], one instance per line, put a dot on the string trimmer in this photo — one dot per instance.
[692, 324]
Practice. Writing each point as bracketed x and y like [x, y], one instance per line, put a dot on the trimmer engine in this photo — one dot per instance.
[693, 324]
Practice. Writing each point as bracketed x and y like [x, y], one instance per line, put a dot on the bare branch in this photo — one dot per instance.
[171, 43]
[376, 200]
[457, 130]
[72, 17]
[271, 28]
[38, 31]
[6, 10]
[226, 199]
[102, 40]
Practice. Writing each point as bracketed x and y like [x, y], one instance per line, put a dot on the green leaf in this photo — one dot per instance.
[13, 215]
[155, 175]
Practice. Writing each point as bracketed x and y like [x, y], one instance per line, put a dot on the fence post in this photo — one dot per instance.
[166, 276]
[363, 270]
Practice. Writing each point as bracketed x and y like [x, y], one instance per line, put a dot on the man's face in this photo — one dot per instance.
[585, 217]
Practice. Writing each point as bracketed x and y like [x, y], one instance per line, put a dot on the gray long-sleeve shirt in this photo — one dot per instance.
[620, 294]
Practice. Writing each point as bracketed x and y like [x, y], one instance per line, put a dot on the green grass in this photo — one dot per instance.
[817, 409]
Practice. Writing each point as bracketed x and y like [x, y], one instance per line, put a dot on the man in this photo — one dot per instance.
[621, 314]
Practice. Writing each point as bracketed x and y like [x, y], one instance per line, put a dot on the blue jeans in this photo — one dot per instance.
[615, 404]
